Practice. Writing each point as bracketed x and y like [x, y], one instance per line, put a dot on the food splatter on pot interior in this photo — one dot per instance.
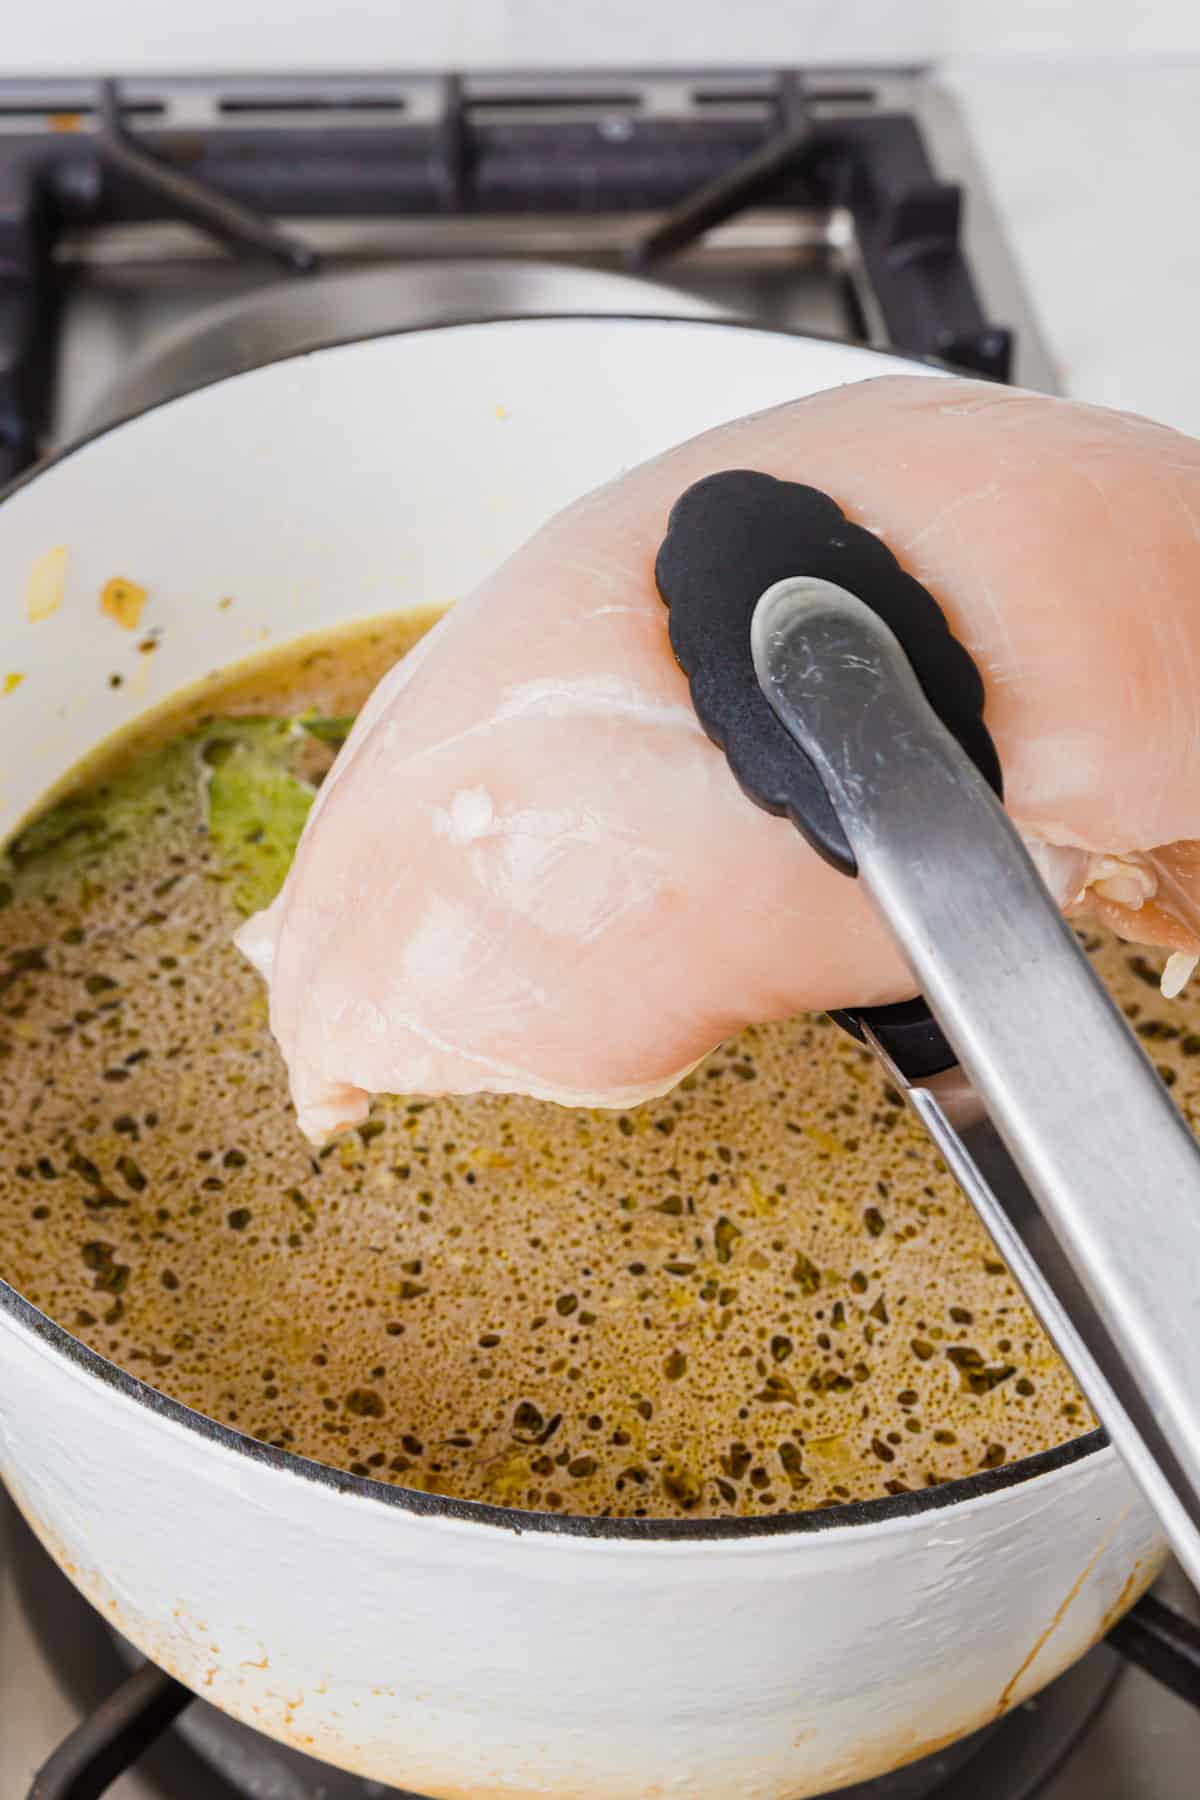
[760, 1294]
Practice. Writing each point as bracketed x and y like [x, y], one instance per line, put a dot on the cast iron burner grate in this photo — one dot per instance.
[646, 164]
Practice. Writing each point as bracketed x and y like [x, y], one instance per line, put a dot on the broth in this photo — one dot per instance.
[760, 1294]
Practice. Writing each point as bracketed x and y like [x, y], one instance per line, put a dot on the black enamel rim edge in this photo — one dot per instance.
[477, 1512]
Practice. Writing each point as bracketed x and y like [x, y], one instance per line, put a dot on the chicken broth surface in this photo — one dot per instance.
[760, 1294]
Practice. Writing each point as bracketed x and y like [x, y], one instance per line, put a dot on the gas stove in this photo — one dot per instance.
[274, 214]
[156, 234]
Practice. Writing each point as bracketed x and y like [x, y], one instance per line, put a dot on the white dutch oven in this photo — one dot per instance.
[447, 1648]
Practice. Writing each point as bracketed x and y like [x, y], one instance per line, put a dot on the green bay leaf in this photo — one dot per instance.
[256, 812]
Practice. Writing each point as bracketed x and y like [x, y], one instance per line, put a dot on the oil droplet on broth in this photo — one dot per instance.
[756, 1295]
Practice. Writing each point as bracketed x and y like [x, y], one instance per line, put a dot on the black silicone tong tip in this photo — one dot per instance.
[729, 538]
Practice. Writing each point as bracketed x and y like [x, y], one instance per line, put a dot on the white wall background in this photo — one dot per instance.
[52, 36]
[1096, 173]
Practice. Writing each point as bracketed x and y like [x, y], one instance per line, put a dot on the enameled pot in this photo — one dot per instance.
[446, 1648]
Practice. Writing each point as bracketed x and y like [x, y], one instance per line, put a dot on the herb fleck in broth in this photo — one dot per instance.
[759, 1294]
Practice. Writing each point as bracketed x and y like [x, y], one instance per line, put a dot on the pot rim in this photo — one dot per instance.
[58, 1341]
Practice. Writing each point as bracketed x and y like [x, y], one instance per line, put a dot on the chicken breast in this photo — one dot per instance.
[529, 869]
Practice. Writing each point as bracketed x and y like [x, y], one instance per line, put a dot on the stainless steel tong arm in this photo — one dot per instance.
[1056, 1125]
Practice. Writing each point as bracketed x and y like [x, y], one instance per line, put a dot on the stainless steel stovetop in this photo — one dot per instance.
[147, 307]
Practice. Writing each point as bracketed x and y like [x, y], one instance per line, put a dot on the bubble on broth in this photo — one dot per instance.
[760, 1294]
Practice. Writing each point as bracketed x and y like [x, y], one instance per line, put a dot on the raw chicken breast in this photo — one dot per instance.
[530, 871]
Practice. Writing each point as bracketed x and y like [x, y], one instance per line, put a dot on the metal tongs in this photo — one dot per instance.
[1045, 1108]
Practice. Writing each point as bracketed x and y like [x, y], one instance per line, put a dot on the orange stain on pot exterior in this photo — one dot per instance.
[1048, 1631]
[1136, 1584]
[880, 1758]
[277, 1719]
